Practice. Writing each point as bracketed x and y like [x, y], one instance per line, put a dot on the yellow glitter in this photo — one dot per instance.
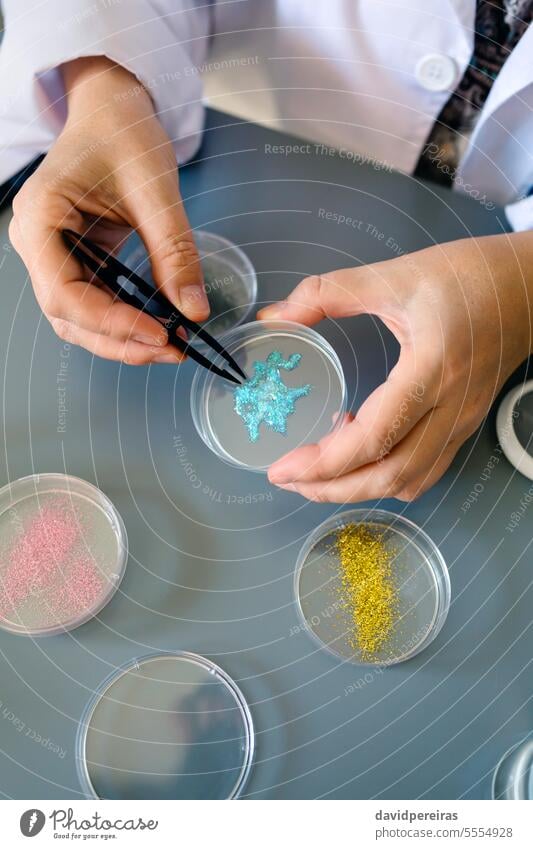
[369, 593]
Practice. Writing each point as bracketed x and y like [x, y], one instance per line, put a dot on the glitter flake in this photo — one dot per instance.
[265, 398]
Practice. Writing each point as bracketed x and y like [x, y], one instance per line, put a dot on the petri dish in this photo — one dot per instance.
[514, 426]
[419, 577]
[63, 553]
[229, 278]
[513, 776]
[314, 416]
[166, 726]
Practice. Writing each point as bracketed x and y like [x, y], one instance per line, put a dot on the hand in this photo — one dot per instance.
[462, 315]
[111, 169]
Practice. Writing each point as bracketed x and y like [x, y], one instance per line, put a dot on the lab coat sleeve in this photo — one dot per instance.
[520, 214]
[162, 42]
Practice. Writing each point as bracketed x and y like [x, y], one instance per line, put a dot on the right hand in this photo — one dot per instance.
[461, 312]
[111, 169]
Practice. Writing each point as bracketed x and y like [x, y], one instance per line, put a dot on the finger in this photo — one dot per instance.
[61, 289]
[383, 420]
[338, 294]
[158, 215]
[127, 351]
[109, 235]
[421, 454]
[424, 482]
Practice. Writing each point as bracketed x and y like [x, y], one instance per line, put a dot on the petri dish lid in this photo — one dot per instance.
[513, 776]
[230, 280]
[230, 283]
[63, 553]
[514, 426]
[418, 574]
[166, 726]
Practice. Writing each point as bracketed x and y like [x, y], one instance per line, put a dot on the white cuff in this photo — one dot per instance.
[520, 214]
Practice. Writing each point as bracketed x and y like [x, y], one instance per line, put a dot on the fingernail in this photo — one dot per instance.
[158, 341]
[273, 310]
[193, 296]
[167, 358]
[289, 487]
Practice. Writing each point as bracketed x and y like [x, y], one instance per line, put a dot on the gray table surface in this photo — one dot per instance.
[211, 566]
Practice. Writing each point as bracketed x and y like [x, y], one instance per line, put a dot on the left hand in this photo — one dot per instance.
[462, 314]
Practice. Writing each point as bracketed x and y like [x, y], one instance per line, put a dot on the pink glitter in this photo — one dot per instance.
[83, 587]
[49, 555]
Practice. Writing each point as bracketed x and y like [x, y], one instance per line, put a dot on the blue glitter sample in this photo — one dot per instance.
[265, 398]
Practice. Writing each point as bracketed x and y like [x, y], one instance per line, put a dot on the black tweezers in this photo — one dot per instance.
[141, 295]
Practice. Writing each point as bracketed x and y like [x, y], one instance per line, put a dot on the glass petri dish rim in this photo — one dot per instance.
[250, 275]
[201, 376]
[83, 488]
[234, 254]
[516, 788]
[135, 663]
[440, 572]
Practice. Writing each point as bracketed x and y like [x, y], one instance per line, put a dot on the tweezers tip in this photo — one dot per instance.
[231, 377]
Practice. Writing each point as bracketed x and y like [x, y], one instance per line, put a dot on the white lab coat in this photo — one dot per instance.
[368, 76]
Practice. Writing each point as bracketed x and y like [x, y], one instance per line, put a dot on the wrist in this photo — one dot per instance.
[495, 276]
[517, 261]
[93, 82]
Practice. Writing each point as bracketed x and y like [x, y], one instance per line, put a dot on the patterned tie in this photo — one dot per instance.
[499, 25]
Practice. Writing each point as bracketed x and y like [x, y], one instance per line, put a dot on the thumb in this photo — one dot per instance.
[337, 294]
[168, 238]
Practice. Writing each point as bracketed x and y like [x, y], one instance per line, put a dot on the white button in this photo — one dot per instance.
[436, 72]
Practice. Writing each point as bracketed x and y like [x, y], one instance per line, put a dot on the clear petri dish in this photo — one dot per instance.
[314, 416]
[513, 776]
[419, 577]
[229, 278]
[166, 726]
[63, 553]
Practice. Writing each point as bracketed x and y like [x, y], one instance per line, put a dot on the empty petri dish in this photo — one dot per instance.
[514, 426]
[513, 776]
[229, 278]
[310, 377]
[166, 726]
[63, 553]
[417, 589]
